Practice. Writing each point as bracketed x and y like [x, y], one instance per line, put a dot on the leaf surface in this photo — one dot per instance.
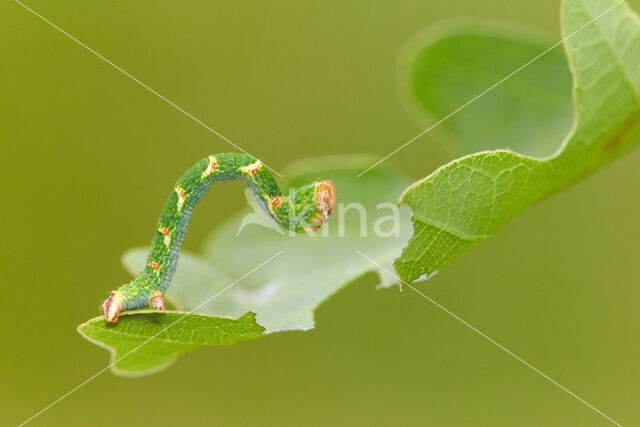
[145, 341]
[450, 64]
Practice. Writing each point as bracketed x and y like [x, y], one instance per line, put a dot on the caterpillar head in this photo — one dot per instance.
[310, 206]
[325, 200]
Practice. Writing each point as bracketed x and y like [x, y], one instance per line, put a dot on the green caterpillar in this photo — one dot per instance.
[304, 210]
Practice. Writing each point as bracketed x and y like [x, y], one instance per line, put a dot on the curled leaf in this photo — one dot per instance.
[467, 200]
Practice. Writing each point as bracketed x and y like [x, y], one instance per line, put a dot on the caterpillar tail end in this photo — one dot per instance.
[112, 307]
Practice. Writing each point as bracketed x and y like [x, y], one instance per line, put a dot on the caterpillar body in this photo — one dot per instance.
[305, 209]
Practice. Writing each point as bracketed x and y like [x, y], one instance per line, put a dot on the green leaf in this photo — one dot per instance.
[467, 200]
[146, 341]
[448, 65]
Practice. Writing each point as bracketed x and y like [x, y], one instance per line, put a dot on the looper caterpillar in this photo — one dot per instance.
[305, 210]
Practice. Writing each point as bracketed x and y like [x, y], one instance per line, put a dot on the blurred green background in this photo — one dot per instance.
[89, 157]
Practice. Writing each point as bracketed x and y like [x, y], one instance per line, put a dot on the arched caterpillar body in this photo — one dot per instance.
[304, 210]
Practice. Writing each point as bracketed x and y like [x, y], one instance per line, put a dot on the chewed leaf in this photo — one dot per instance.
[466, 201]
[447, 66]
[146, 341]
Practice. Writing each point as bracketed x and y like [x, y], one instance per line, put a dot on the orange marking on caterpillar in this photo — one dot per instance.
[167, 237]
[253, 168]
[181, 197]
[276, 201]
[154, 265]
[212, 166]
